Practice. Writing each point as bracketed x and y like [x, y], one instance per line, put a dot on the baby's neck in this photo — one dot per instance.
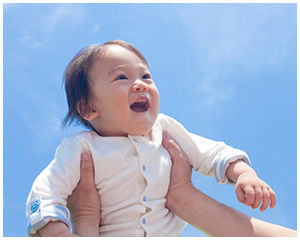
[149, 135]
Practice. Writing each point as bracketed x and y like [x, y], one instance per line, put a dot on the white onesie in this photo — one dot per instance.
[132, 175]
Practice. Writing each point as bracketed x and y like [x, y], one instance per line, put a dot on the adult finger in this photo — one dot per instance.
[87, 169]
[174, 149]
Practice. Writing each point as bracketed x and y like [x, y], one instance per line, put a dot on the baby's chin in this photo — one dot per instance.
[141, 131]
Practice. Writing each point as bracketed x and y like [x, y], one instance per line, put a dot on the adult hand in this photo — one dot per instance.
[203, 212]
[180, 180]
[84, 202]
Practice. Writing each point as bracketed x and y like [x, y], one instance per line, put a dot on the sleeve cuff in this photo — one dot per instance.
[41, 217]
[223, 162]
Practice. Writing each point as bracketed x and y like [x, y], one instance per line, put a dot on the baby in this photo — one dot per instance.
[110, 90]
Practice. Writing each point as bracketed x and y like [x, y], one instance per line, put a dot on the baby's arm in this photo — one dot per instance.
[250, 189]
[47, 200]
[55, 229]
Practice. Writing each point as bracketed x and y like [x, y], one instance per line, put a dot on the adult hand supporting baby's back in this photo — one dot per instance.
[181, 173]
[84, 202]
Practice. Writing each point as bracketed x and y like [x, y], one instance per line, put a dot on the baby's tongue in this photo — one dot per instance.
[138, 107]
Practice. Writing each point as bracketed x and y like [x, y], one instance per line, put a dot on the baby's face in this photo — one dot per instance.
[123, 93]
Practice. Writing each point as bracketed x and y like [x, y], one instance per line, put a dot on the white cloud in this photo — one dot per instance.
[29, 41]
[96, 28]
[231, 39]
[64, 15]
[254, 36]
[40, 116]
[8, 6]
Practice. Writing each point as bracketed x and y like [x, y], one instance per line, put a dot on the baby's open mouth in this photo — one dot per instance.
[140, 106]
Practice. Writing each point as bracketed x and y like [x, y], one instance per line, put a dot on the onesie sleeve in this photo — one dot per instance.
[210, 158]
[216, 157]
[47, 199]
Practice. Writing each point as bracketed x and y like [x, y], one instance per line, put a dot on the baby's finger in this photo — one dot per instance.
[250, 195]
[273, 198]
[258, 198]
[266, 200]
[240, 194]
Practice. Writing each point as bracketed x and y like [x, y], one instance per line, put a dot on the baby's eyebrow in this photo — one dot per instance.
[125, 65]
[115, 69]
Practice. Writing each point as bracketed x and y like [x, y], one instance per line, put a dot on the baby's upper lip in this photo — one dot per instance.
[141, 104]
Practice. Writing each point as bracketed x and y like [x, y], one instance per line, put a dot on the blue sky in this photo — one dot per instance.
[225, 71]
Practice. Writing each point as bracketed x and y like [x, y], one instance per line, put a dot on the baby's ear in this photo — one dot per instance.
[87, 110]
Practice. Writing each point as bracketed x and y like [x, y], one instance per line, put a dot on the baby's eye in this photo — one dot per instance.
[121, 77]
[146, 76]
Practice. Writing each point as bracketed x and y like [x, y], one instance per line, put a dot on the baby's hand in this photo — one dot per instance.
[252, 191]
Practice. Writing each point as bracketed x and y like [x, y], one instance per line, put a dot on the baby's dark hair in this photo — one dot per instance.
[76, 78]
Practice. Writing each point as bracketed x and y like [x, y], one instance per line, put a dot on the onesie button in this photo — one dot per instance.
[144, 221]
[135, 140]
[144, 198]
[144, 168]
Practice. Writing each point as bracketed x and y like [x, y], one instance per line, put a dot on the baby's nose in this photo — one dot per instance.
[140, 86]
